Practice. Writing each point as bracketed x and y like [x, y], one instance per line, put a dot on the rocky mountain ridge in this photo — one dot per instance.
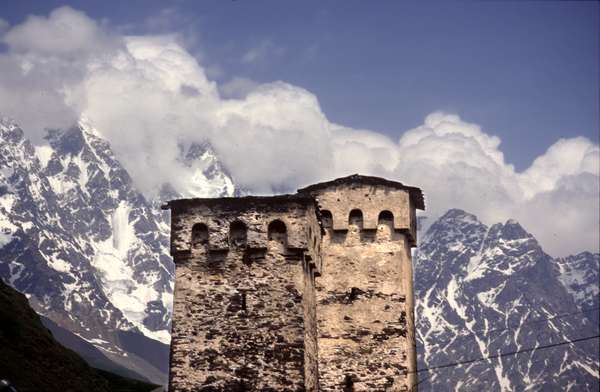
[85, 246]
[487, 291]
[91, 254]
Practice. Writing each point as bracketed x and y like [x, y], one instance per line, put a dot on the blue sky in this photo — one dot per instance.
[525, 71]
[419, 93]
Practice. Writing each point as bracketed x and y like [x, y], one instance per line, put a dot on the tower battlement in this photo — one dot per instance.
[369, 199]
[248, 224]
[311, 291]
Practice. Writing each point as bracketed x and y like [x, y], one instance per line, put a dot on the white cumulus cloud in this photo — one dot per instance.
[64, 32]
[148, 95]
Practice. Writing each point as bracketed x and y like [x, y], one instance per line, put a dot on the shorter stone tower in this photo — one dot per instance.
[248, 314]
[244, 308]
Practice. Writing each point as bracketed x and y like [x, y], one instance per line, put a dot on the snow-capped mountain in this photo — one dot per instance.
[89, 251]
[210, 178]
[91, 254]
[490, 291]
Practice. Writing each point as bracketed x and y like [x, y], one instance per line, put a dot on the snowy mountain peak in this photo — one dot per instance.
[511, 230]
[193, 152]
[457, 214]
[208, 176]
[483, 292]
[457, 220]
[8, 122]
[92, 254]
[457, 227]
[80, 240]
[509, 248]
[10, 131]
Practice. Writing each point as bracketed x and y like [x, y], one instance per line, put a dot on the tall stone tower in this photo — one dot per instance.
[303, 292]
[365, 296]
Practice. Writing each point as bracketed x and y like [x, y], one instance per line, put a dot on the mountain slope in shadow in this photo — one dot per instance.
[32, 360]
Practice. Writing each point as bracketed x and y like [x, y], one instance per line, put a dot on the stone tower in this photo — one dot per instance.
[364, 296]
[244, 307]
[311, 291]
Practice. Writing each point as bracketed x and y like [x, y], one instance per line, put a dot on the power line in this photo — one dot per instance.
[536, 321]
[506, 354]
[525, 350]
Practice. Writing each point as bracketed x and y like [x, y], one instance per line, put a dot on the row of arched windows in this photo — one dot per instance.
[238, 233]
[277, 230]
[356, 218]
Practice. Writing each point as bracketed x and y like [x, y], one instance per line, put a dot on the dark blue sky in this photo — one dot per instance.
[525, 71]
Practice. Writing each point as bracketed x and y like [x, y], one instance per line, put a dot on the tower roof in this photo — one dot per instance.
[416, 195]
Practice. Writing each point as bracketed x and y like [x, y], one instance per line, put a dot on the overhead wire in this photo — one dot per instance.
[501, 355]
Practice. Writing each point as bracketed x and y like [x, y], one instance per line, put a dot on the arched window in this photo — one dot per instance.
[385, 217]
[326, 219]
[278, 232]
[199, 235]
[385, 226]
[238, 234]
[356, 218]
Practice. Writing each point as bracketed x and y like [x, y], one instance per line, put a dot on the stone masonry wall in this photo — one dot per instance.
[243, 306]
[305, 292]
[310, 332]
[371, 200]
[364, 296]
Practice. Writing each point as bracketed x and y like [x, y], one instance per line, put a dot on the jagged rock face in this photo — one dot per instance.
[486, 291]
[125, 245]
[91, 253]
[579, 274]
[81, 242]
